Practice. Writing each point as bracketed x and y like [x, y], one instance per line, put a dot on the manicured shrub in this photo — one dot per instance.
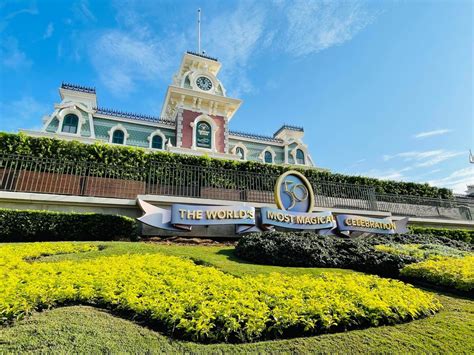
[422, 251]
[202, 303]
[35, 226]
[455, 273]
[130, 162]
[465, 235]
[311, 250]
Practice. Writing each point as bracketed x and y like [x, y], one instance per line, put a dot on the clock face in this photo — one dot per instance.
[204, 83]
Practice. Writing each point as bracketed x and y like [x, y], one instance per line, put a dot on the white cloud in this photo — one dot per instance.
[83, 13]
[32, 10]
[457, 180]
[12, 56]
[25, 111]
[122, 59]
[236, 35]
[49, 31]
[426, 158]
[317, 25]
[436, 132]
[233, 37]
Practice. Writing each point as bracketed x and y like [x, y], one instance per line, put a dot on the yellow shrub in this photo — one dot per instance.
[449, 272]
[203, 303]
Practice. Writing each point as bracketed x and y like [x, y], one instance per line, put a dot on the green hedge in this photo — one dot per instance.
[38, 226]
[137, 161]
[464, 235]
[307, 249]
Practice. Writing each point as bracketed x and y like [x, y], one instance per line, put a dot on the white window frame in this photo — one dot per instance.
[262, 155]
[305, 152]
[122, 128]
[240, 145]
[63, 113]
[157, 133]
[214, 127]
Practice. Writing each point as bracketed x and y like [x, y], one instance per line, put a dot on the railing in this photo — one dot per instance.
[19, 173]
[416, 206]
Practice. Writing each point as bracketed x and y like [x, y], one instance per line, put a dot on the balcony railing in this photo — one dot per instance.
[19, 173]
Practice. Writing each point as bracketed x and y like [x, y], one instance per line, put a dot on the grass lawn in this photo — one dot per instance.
[86, 329]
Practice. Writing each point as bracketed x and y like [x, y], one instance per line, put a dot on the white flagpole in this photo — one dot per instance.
[199, 31]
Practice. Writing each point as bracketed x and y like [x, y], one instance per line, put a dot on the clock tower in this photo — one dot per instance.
[197, 102]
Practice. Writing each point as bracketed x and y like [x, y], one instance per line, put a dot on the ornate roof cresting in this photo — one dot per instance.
[134, 116]
[289, 127]
[202, 56]
[256, 136]
[80, 88]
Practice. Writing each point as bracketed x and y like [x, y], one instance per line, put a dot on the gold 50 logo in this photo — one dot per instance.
[293, 192]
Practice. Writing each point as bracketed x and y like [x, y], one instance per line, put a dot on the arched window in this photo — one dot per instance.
[240, 153]
[203, 135]
[157, 142]
[268, 157]
[300, 157]
[70, 123]
[118, 136]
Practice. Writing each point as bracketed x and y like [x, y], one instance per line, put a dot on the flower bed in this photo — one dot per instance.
[202, 303]
[455, 273]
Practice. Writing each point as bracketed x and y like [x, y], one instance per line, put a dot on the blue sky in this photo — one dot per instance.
[382, 88]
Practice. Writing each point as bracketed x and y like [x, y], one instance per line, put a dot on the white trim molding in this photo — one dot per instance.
[240, 145]
[214, 127]
[304, 149]
[157, 132]
[72, 109]
[122, 128]
[262, 154]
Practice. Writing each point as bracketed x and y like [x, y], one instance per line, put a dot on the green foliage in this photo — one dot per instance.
[202, 303]
[311, 250]
[136, 163]
[421, 251]
[36, 226]
[455, 273]
[465, 235]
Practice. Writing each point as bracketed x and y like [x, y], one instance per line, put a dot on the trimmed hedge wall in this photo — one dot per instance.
[39, 226]
[138, 160]
[307, 249]
[464, 235]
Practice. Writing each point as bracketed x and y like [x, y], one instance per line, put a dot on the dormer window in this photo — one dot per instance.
[157, 142]
[118, 137]
[300, 157]
[240, 153]
[268, 158]
[70, 123]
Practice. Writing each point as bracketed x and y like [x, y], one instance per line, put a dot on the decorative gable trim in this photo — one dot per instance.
[267, 149]
[240, 145]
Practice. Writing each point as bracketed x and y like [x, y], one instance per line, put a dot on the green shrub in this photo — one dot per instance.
[35, 226]
[203, 303]
[465, 235]
[455, 273]
[307, 249]
[135, 163]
